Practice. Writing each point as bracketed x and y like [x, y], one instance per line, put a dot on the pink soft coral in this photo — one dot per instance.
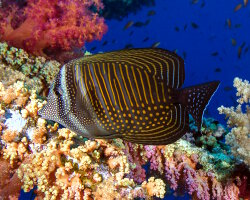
[42, 26]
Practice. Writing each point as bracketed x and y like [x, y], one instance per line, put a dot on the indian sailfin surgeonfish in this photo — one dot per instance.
[133, 94]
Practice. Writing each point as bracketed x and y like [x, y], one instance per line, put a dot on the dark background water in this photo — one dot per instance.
[195, 44]
[212, 35]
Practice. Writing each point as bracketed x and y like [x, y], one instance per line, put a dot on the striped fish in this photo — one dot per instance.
[133, 94]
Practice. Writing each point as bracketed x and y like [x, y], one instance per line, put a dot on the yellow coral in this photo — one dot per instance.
[9, 135]
[15, 152]
[155, 187]
[32, 107]
[66, 133]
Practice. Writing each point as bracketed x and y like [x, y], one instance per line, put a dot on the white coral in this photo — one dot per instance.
[243, 90]
[15, 122]
[239, 137]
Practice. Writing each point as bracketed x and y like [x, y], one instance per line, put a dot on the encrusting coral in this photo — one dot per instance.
[62, 165]
[239, 137]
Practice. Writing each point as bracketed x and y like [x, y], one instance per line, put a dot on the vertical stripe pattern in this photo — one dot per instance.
[130, 93]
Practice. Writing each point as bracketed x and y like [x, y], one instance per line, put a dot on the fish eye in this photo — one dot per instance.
[58, 91]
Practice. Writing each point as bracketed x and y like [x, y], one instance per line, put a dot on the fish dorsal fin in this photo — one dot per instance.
[160, 63]
[196, 98]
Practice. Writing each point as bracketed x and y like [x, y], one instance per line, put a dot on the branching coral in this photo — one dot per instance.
[188, 168]
[56, 25]
[65, 166]
[239, 137]
[56, 165]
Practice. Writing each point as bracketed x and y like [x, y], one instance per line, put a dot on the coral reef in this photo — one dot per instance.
[36, 73]
[239, 137]
[42, 27]
[63, 165]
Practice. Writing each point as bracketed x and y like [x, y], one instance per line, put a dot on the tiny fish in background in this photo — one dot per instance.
[217, 69]
[131, 94]
[105, 43]
[229, 23]
[177, 29]
[128, 46]
[228, 88]
[194, 25]
[245, 2]
[203, 4]
[93, 48]
[239, 52]
[234, 43]
[151, 13]
[175, 51]
[195, 1]
[145, 39]
[129, 24]
[215, 54]
[155, 45]
[237, 25]
[139, 24]
[238, 7]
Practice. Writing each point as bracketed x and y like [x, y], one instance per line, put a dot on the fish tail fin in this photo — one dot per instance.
[196, 98]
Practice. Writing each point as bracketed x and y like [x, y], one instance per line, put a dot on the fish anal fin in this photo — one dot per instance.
[196, 98]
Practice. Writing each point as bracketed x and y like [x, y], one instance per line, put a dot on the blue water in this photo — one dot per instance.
[27, 195]
[212, 35]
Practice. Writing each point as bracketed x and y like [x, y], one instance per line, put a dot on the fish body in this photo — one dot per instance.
[215, 53]
[129, 24]
[132, 94]
[151, 13]
[239, 51]
[194, 25]
[145, 39]
[229, 23]
[245, 2]
[238, 7]
[156, 44]
[234, 42]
